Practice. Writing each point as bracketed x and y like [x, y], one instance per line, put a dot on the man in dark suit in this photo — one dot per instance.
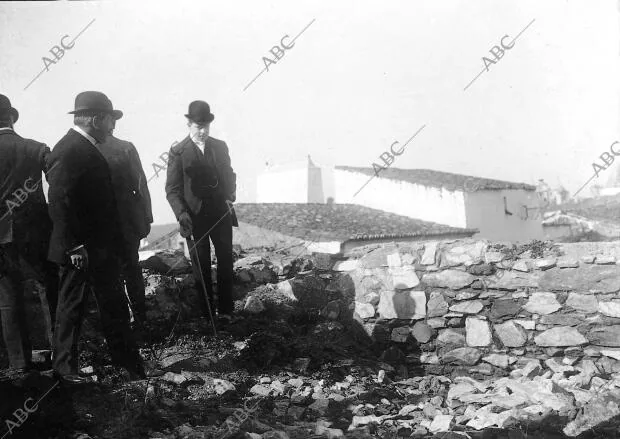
[25, 229]
[86, 239]
[133, 201]
[201, 187]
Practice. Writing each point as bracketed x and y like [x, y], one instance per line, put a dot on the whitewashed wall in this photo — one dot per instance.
[407, 199]
[283, 186]
[297, 182]
[485, 211]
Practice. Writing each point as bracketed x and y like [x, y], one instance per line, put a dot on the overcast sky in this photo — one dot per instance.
[363, 75]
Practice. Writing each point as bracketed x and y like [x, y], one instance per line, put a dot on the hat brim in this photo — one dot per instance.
[116, 114]
[209, 119]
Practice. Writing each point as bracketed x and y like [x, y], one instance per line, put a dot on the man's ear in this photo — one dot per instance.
[97, 119]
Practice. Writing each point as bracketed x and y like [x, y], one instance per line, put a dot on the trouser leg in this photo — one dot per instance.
[132, 273]
[34, 265]
[51, 282]
[13, 310]
[202, 251]
[69, 315]
[114, 312]
[221, 235]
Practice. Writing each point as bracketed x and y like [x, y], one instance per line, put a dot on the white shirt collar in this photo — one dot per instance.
[88, 137]
[198, 143]
[6, 129]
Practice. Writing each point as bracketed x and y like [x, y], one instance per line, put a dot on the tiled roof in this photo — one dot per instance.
[440, 179]
[339, 222]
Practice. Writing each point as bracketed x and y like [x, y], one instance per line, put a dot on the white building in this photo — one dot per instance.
[501, 210]
[296, 182]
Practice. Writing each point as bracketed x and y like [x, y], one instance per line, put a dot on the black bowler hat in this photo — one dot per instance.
[95, 101]
[5, 107]
[200, 112]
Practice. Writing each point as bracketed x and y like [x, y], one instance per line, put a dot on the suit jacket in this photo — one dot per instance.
[130, 187]
[23, 209]
[81, 199]
[189, 172]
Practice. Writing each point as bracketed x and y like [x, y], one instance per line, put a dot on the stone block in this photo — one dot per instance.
[468, 307]
[514, 280]
[422, 332]
[430, 250]
[498, 360]
[437, 305]
[402, 305]
[589, 279]
[605, 336]
[561, 319]
[494, 257]
[582, 302]
[452, 279]
[527, 324]
[546, 263]
[542, 303]
[560, 336]
[477, 332]
[451, 337]
[610, 308]
[464, 254]
[511, 334]
[404, 278]
[503, 308]
[522, 266]
[436, 322]
[364, 310]
[462, 356]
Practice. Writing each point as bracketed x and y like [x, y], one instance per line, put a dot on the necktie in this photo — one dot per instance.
[209, 157]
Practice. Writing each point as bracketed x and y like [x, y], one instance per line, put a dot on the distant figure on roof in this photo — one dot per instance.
[543, 191]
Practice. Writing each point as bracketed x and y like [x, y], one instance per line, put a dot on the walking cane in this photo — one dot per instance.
[196, 260]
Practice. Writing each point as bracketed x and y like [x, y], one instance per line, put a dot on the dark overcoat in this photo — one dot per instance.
[23, 209]
[130, 187]
[190, 175]
[81, 199]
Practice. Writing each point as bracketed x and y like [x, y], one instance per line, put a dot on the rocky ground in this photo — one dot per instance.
[298, 366]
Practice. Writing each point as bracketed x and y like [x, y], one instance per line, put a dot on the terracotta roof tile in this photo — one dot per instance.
[440, 179]
[339, 222]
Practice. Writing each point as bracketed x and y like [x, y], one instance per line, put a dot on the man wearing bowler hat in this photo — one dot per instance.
[134, 206]
[201, 188]
[87, 241]
[25, 229]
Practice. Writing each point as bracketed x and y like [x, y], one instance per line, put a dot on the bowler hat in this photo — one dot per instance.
[95, 101]
[5, 107]
[200, 112]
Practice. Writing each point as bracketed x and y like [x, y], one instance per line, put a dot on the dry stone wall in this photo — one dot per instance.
[475, 304]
